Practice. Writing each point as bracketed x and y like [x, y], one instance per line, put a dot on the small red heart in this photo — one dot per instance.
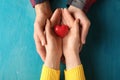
[61, 30]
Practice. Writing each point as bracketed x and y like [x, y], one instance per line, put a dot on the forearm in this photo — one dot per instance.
[52, 62]
[72, 60]
[43, 8]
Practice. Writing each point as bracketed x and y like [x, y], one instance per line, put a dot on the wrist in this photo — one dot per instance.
[52, 62]
[43, 8]
[71, 52]
[72, 60]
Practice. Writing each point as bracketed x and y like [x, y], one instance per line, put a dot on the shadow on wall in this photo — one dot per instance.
[95, 39]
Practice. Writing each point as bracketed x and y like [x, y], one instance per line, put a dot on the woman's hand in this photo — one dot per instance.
[54, 43]
[72, 41]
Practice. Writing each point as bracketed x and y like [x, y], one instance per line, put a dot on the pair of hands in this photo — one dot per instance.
[43, 12]
[69, 45]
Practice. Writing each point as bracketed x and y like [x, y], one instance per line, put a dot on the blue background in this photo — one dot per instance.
[20, 61]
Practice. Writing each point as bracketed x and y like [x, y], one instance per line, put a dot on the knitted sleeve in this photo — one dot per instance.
[76, 73]
[82, 4]
[49, 74]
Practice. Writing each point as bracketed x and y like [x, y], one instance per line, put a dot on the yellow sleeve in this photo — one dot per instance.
[76, 73]
[49, 74]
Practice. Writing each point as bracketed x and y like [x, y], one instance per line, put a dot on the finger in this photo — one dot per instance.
[48, 29]
[40, 48]
[56, 17]
[76, 27]
[40, 33]
[85, 28]
[67, 17]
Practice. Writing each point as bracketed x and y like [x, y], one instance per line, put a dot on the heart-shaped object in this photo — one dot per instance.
[61, 30]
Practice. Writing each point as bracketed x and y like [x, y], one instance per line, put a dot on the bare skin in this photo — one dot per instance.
[71, 42]
[53, 47]
[70, 45]
[84, 21]
[43, 12]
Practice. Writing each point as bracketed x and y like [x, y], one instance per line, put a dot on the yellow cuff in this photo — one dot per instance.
[49, 74]
[76, 73]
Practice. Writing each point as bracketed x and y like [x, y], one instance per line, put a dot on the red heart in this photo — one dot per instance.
[61, 30]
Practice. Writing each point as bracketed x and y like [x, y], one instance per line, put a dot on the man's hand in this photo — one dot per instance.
[39, 27]
[43, 12]
[84, 21]
[71, 42]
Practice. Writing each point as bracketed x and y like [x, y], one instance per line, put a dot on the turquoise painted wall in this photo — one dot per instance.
[20, 61]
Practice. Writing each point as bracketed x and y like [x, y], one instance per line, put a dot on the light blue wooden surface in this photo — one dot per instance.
[20, 61]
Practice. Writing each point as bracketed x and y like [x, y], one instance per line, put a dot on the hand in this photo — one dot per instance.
[71, 42]
[46, 51]
[84, 21]
[43, 12]
[53, 47]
